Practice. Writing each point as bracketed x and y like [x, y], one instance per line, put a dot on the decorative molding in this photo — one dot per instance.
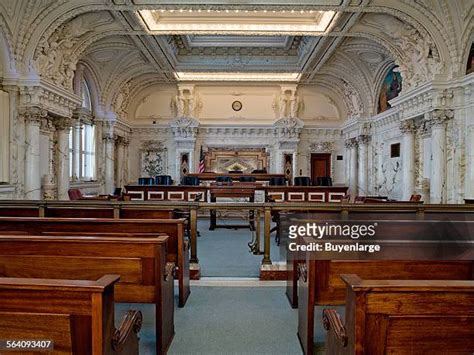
[322, 147]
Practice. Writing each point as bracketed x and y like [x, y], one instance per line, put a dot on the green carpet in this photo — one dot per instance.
[225, 253]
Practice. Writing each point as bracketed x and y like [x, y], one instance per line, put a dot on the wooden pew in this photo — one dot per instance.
[320, 283]
[178, 248]
[403, 317]
[77, 316]
[146, 277]
[360, 214]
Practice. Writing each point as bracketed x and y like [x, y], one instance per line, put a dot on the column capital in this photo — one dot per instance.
[363, 139]
[351, 143]
[62, 123]
[439, 117]
[407, 126]
[33, 115]
[47, 125]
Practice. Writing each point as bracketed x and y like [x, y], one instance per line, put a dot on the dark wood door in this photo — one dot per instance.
[320, 165]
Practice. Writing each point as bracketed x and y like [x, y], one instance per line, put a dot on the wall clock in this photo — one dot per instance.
[236, 105]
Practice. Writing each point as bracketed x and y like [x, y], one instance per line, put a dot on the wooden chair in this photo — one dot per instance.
[77, 316]
[403, 317]
[145, 275]
[177, 248]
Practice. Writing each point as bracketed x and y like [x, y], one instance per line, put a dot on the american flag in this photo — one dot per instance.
[202, 164]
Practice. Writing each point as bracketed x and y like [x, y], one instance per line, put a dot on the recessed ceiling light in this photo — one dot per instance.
[236, 76]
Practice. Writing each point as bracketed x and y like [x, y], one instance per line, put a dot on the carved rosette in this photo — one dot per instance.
[407, 126]
[351, 143]
[363, 139]
[33, 115]
[439, 117]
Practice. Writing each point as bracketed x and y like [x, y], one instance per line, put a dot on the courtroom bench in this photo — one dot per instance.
[76, 316]
[145, 275]
[401, 212]
[403, 317]
[177, 249]
[319, 283]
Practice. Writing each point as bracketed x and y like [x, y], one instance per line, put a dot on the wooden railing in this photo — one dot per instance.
[339, 211]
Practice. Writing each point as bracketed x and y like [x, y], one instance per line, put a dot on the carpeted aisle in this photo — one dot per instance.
[225, 253]
[228, 320]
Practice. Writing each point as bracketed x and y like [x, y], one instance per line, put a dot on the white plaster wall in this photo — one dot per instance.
[318, 108]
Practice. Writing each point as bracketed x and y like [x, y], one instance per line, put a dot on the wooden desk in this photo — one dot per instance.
[306, 193]
[166, 192]
[243, 190]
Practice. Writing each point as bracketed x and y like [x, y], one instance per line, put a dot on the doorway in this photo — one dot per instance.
[320, 165]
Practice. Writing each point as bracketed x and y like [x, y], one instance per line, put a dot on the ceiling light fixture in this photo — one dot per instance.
[235, 22]
[237, 76]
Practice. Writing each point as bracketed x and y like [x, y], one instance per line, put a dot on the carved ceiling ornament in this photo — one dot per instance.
[419, 60]
[352, 100]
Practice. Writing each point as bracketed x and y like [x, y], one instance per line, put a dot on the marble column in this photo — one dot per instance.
[48, 180]
[351, 145]
[76, 152]
[438, 120]
[120, 161]
[407, 128]
[109, 146]
[363, 170]
[63, 126]
[126, 144]
[469, 176]
[32, 116]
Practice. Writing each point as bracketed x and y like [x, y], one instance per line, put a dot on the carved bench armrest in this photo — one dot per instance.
[186, 244]
[333, 323]
[129, 327]
[170, 271]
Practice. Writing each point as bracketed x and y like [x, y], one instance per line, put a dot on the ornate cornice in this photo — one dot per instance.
[50, 97]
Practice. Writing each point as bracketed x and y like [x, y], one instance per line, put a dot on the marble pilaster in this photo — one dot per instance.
[438, 120]
[76, 151]
[469, 176]
[120, 154]
[48, 178]
[407, 128]
[109, 147]
[32, 117]
[351, 144]
[363, 170]
[63, 126]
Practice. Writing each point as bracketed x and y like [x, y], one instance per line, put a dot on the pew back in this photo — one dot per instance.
[320, 284]
[78, 316]
[177, 249]
[402, 317]
[141, 262]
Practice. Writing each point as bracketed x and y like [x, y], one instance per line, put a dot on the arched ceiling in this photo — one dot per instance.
[347, 54]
